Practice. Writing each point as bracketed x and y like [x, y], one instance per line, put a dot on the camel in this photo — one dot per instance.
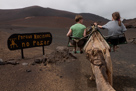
[97, 50]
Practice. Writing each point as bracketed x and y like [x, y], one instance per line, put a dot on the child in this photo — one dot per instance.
[115, 28]
[78, 31]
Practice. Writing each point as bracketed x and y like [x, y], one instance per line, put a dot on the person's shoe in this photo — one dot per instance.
[117, 46]
[81, 52]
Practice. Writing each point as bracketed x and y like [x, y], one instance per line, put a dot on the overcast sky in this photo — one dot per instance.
[105, 8]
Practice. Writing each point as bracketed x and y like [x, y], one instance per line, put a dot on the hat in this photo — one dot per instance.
[78, 17]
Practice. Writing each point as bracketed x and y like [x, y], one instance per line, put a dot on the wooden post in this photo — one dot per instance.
[22, 53]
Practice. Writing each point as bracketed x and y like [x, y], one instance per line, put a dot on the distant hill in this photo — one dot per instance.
[29, 14]
[6, 15]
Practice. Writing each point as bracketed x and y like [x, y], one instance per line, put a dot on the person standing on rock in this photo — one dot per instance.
[77, 31]
[115, 28]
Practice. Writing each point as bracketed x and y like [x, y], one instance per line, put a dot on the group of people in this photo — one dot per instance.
[78, 30]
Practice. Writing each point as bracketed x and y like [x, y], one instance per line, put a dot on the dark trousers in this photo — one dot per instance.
[80, 43]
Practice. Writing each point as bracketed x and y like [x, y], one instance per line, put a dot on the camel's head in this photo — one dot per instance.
[96, 56]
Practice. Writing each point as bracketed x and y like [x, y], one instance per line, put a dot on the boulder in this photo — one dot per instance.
[2, 62]
[38, 61]
[61, 54]
[24, 64]
[12, 62]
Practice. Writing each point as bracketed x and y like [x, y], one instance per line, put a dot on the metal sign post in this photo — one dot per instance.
[43, 50]
[22, 53]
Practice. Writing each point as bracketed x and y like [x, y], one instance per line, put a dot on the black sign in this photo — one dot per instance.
[28, 40]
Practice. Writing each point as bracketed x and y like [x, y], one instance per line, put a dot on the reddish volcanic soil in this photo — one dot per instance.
[53, 22]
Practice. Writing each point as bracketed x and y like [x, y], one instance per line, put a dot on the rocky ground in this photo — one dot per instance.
[65, 74]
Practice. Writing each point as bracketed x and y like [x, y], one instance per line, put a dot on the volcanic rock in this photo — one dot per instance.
[61, 54]
[2, 62]
[12, 62]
